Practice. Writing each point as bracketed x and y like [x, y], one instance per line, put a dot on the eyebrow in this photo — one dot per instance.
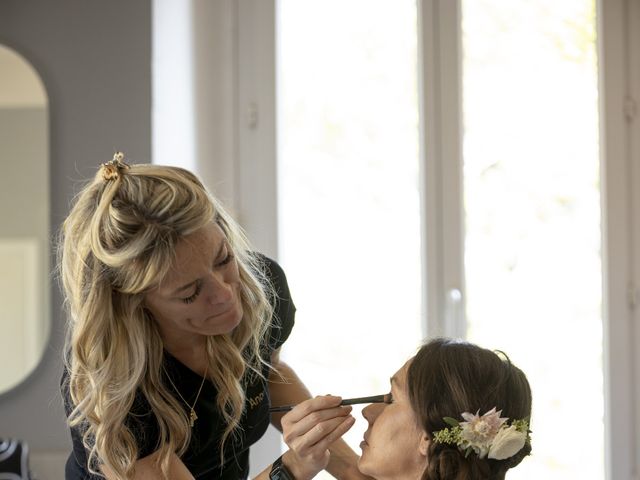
[192, 283]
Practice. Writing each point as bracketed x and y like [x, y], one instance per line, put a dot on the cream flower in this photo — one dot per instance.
[507, 443]
[478, 431]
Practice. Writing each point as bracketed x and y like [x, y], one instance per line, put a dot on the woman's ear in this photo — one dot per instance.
[423, 447]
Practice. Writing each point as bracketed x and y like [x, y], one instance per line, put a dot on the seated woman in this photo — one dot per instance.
[457, 412]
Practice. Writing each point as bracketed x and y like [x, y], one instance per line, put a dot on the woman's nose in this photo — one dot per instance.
[371, 412]
[221, 291]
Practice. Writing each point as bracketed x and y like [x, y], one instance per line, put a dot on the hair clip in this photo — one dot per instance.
[111, 170]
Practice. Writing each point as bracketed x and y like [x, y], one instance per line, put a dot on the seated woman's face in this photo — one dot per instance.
[394, 445]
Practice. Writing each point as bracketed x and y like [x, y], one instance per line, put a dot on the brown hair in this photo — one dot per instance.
[448, 377]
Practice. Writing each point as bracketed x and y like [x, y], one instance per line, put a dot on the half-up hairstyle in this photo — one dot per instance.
[447, 378]
[118, 243]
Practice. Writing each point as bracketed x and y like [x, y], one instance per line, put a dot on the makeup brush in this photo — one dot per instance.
[347, 401]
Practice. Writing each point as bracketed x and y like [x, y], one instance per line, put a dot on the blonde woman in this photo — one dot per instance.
[174, 331]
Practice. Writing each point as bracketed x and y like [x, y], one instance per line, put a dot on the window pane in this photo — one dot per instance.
[532, 199]
[348, 191]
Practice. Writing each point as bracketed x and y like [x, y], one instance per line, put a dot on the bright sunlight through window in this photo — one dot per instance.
[349, 199]
[532, 198]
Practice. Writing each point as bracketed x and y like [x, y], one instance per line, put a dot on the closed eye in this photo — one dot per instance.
[191, 298]
[226, 260]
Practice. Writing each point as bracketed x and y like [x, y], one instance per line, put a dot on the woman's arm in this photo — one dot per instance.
[286, 388]
[147, 469]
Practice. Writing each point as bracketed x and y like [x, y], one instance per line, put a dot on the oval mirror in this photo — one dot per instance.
[24, 210]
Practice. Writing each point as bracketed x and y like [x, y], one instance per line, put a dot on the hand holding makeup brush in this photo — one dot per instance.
[309, 429]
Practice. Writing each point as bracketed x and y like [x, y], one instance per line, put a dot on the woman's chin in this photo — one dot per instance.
[362, 464]
[229, 326]
[220, 324]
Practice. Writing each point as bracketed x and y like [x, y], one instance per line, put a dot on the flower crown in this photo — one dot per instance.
[488, 435]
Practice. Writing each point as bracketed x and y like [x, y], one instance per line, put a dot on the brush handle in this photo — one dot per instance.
[346, 401]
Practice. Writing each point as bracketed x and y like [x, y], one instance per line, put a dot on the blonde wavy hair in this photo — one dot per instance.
[118, 243]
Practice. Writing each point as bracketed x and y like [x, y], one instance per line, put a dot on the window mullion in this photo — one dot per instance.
[617, 269]
[443, 209]
[633, 57]
[255, 116]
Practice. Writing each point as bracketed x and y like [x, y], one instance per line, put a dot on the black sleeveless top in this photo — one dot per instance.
[202, 456]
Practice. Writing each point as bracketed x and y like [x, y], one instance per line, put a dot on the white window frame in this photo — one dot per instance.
[440, 80]
[619, 23]
[633, 16]
[618, 19]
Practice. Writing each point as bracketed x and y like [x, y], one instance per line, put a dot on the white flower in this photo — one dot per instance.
[478, 431]
[507, 442]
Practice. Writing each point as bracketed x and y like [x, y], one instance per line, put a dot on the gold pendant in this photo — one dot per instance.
[192, 417]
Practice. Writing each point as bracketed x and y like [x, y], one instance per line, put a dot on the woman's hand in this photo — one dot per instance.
[309, 429]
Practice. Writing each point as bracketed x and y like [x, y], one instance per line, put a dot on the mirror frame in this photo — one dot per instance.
[25, 104]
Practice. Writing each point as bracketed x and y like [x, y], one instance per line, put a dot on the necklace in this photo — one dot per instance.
[192, 413]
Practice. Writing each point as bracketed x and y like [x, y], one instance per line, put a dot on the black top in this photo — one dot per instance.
[203, 453]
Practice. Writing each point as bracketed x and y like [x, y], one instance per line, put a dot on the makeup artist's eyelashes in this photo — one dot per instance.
[226, 260]
[222, 263]
[191, 298]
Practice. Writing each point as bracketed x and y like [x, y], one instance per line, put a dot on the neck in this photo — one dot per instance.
[192, 355]
[406, 474]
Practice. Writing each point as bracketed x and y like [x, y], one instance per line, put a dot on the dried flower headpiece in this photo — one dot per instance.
[111, 170]
[488, 435]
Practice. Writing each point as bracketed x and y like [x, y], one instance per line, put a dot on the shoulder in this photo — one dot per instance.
[272, 269]
[273, 273]
[284, 309]
[277, 279]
